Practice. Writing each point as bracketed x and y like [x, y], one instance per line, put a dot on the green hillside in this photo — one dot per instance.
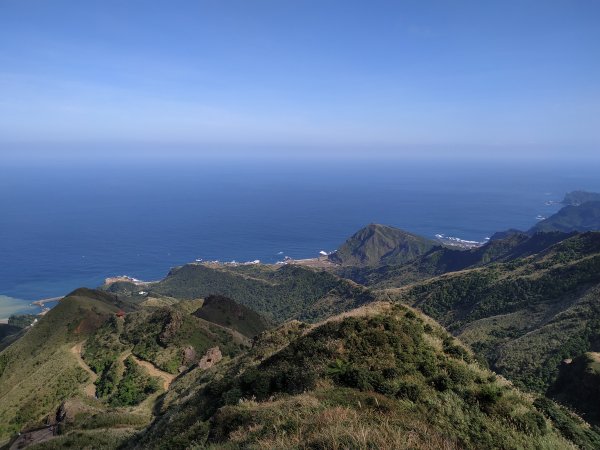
[283, 293]
[582, 217]
[225, 311]
[166, 336]
[440, 260]
[382, 377]
[523, 316]
[381, 244]
[39, 371]
[190, 361]
[82, 350]
[578, 385]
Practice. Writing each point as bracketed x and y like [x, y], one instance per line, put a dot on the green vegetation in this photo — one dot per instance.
[9, 334]
[523, 316]
[104, 347]
[22, 320]
[289, 292]
[380, 244]
[506, 247]
[162, 335]
[570, 426]
[85, 322]
[39, 371]
[225, 311]
[380, 375]
[134, 386]
[583, 217]
[367, 381]
[578, 385]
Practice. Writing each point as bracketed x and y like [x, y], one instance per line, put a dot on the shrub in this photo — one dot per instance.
[532, 422]
[489, 394]
[410, 391]
[255, 382]
[442, 382]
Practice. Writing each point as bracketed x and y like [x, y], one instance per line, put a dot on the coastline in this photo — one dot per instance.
[10, 306]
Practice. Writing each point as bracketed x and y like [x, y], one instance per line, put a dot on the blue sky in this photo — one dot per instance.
[295, 76]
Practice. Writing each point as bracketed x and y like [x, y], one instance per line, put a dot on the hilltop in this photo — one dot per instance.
[577, 198]
[225, 311]
[381, 244]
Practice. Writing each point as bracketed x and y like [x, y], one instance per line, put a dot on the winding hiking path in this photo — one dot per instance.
[90, 389]
[155, 372]
[152, 370]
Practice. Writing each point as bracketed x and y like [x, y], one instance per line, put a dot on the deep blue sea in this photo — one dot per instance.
[66, 226]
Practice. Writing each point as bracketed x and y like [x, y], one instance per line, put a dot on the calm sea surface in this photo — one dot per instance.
[62, 227]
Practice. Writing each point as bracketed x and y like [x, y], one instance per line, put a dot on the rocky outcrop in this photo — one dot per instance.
[189, 356]
[213, 355]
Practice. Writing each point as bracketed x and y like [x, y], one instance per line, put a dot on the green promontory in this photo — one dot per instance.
[381, 244]
[583, 217]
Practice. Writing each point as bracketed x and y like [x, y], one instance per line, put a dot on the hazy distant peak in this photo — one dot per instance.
[576, 198]
[582, 217]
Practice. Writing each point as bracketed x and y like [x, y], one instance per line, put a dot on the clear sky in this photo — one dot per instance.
[498, 77]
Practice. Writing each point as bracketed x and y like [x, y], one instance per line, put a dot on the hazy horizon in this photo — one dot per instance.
[465, 79]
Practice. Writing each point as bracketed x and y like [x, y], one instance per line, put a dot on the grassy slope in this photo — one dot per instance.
[524, 316]
[41, 370]
[38, 371]
[169, 337]
[225, 311]
[380, 244]
[380, 377]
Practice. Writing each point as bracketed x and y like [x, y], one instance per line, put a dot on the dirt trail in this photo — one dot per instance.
[156, 372]
[90, 389]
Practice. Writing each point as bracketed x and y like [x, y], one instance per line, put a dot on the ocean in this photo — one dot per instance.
[63, 226]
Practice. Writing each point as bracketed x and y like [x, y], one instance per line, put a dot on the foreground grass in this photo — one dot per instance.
[386, 378]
